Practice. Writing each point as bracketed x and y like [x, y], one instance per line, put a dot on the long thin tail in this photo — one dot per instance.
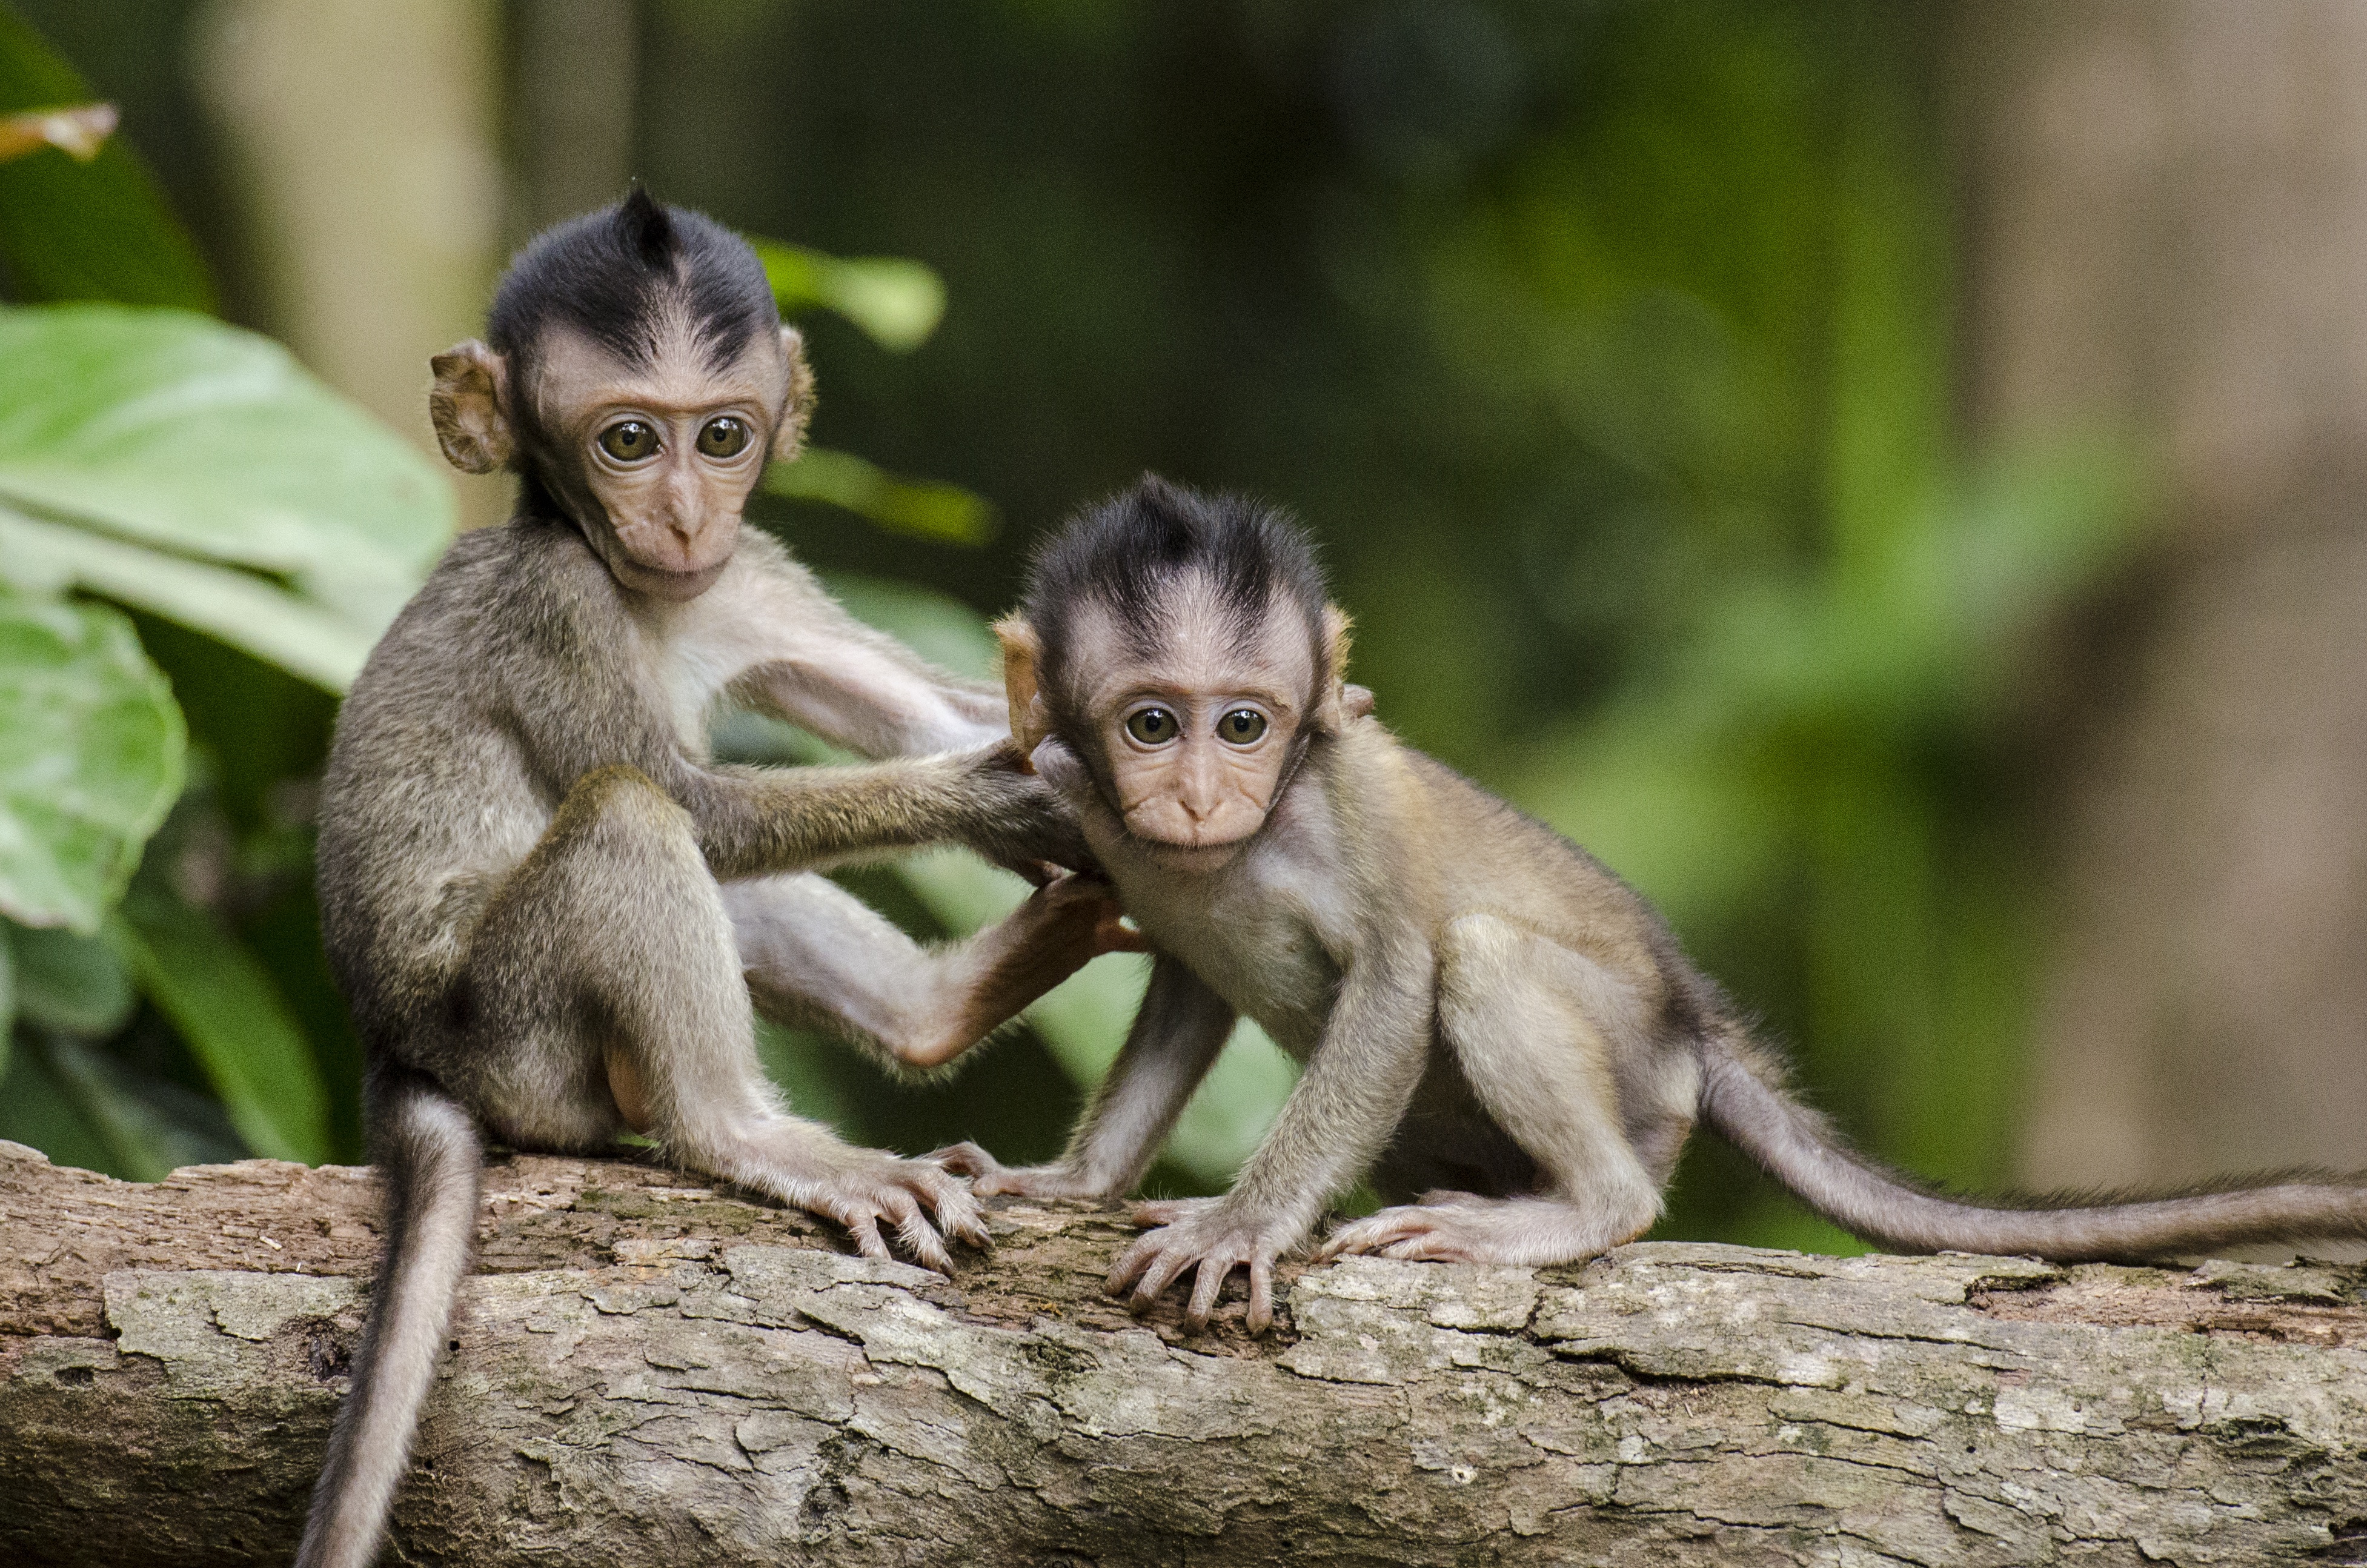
[1796, 1146]
[433, 1160]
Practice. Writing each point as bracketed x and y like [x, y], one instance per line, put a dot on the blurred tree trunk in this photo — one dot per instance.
[2169, 236]
[361, 147]
[575, 68]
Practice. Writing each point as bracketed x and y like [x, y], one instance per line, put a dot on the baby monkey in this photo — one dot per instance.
[1488, 1017]
[546, 903]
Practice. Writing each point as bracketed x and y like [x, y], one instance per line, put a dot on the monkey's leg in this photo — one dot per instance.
[1521, 1014]
[816, 955]
[428, 1151]
[609, 949]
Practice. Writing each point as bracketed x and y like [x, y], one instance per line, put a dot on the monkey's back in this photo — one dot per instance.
[431, 791]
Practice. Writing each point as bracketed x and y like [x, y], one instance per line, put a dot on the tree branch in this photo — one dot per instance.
[649, 1372]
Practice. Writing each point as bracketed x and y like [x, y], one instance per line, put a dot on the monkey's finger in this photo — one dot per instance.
[1131, 1262]
[1161, 1211]
[1116, 935]
[1164, 1271]
[964, 1159]
[1213, 1273]
[956, 1212]
[865, 1228]
[923, 1243]
[1261, 1314]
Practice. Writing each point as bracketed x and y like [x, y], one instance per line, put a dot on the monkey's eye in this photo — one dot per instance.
[1242, 726]
[630, 440]
[1152, 726]
[725, 437]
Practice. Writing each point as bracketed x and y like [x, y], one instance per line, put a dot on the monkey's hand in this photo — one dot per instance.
[1081, 917]
[991, 1179]
[1213, 1234]
[1017, 819]
[869, 1186]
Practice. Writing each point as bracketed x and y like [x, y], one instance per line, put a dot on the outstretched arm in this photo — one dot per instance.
[854, 685]
[1177, 1034]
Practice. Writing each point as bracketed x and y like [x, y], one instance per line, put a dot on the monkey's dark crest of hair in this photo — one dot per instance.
[611, 274]
[1126, 552]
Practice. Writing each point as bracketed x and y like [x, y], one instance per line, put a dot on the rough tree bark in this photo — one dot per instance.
[647, 1371]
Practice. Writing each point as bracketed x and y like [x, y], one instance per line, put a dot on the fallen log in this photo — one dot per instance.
[647, 1370]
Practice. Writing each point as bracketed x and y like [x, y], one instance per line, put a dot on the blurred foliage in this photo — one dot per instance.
[94, 229]
[1607, 346]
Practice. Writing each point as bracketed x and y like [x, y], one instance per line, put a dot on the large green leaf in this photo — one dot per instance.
[249, 612]
[84, 230]
[93, 759]
[178, 433]
[69, 982]
[927, 508]
[236, 1023]
[898, 303]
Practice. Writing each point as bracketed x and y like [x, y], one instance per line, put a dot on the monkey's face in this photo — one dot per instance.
[661, 456]
[1199, 730]
[655, 461]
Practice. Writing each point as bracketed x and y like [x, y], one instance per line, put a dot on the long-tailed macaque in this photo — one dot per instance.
[1490, 1018]
[546, 904]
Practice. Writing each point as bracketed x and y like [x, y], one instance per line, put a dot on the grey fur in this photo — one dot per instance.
[525, 845]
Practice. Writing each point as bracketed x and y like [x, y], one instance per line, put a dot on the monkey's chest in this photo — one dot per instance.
[1262, 955]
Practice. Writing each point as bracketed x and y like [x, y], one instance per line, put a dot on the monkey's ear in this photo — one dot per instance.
[469, 404]
[1334, 708]
[796, 412]
[1022, 653]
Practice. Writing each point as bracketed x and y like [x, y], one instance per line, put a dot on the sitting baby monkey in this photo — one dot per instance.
[1488, 1017]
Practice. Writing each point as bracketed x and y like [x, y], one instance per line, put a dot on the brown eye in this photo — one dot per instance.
[1242, 726]
[723, 437]
[630, 440]
[1152, 726]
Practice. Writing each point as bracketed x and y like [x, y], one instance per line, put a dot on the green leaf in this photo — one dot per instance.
[225, 1006]
[69, 982]
[94, 759]
[84, 230]
[177, 432]
[898, 303]
[927, 508]
[249, 613]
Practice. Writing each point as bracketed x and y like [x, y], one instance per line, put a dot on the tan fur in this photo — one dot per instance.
[1492, 1023]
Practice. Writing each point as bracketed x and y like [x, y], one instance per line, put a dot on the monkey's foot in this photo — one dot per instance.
[905, 1193]
[1206, 1232]
[991, 1179]
[1459, 1227]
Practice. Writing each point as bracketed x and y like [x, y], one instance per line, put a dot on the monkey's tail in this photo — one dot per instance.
[432, 1159]
[1798, 1148]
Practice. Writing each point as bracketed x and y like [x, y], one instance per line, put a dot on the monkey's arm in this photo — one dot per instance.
[1355, 1092]
[751, 821]
[855, 687]
[1177, 1034]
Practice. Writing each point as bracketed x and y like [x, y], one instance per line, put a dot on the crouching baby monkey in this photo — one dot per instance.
[1488, 1017]
[547, 905]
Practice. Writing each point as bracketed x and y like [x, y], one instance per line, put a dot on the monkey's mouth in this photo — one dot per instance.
[1200, 852]
[668, 582]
